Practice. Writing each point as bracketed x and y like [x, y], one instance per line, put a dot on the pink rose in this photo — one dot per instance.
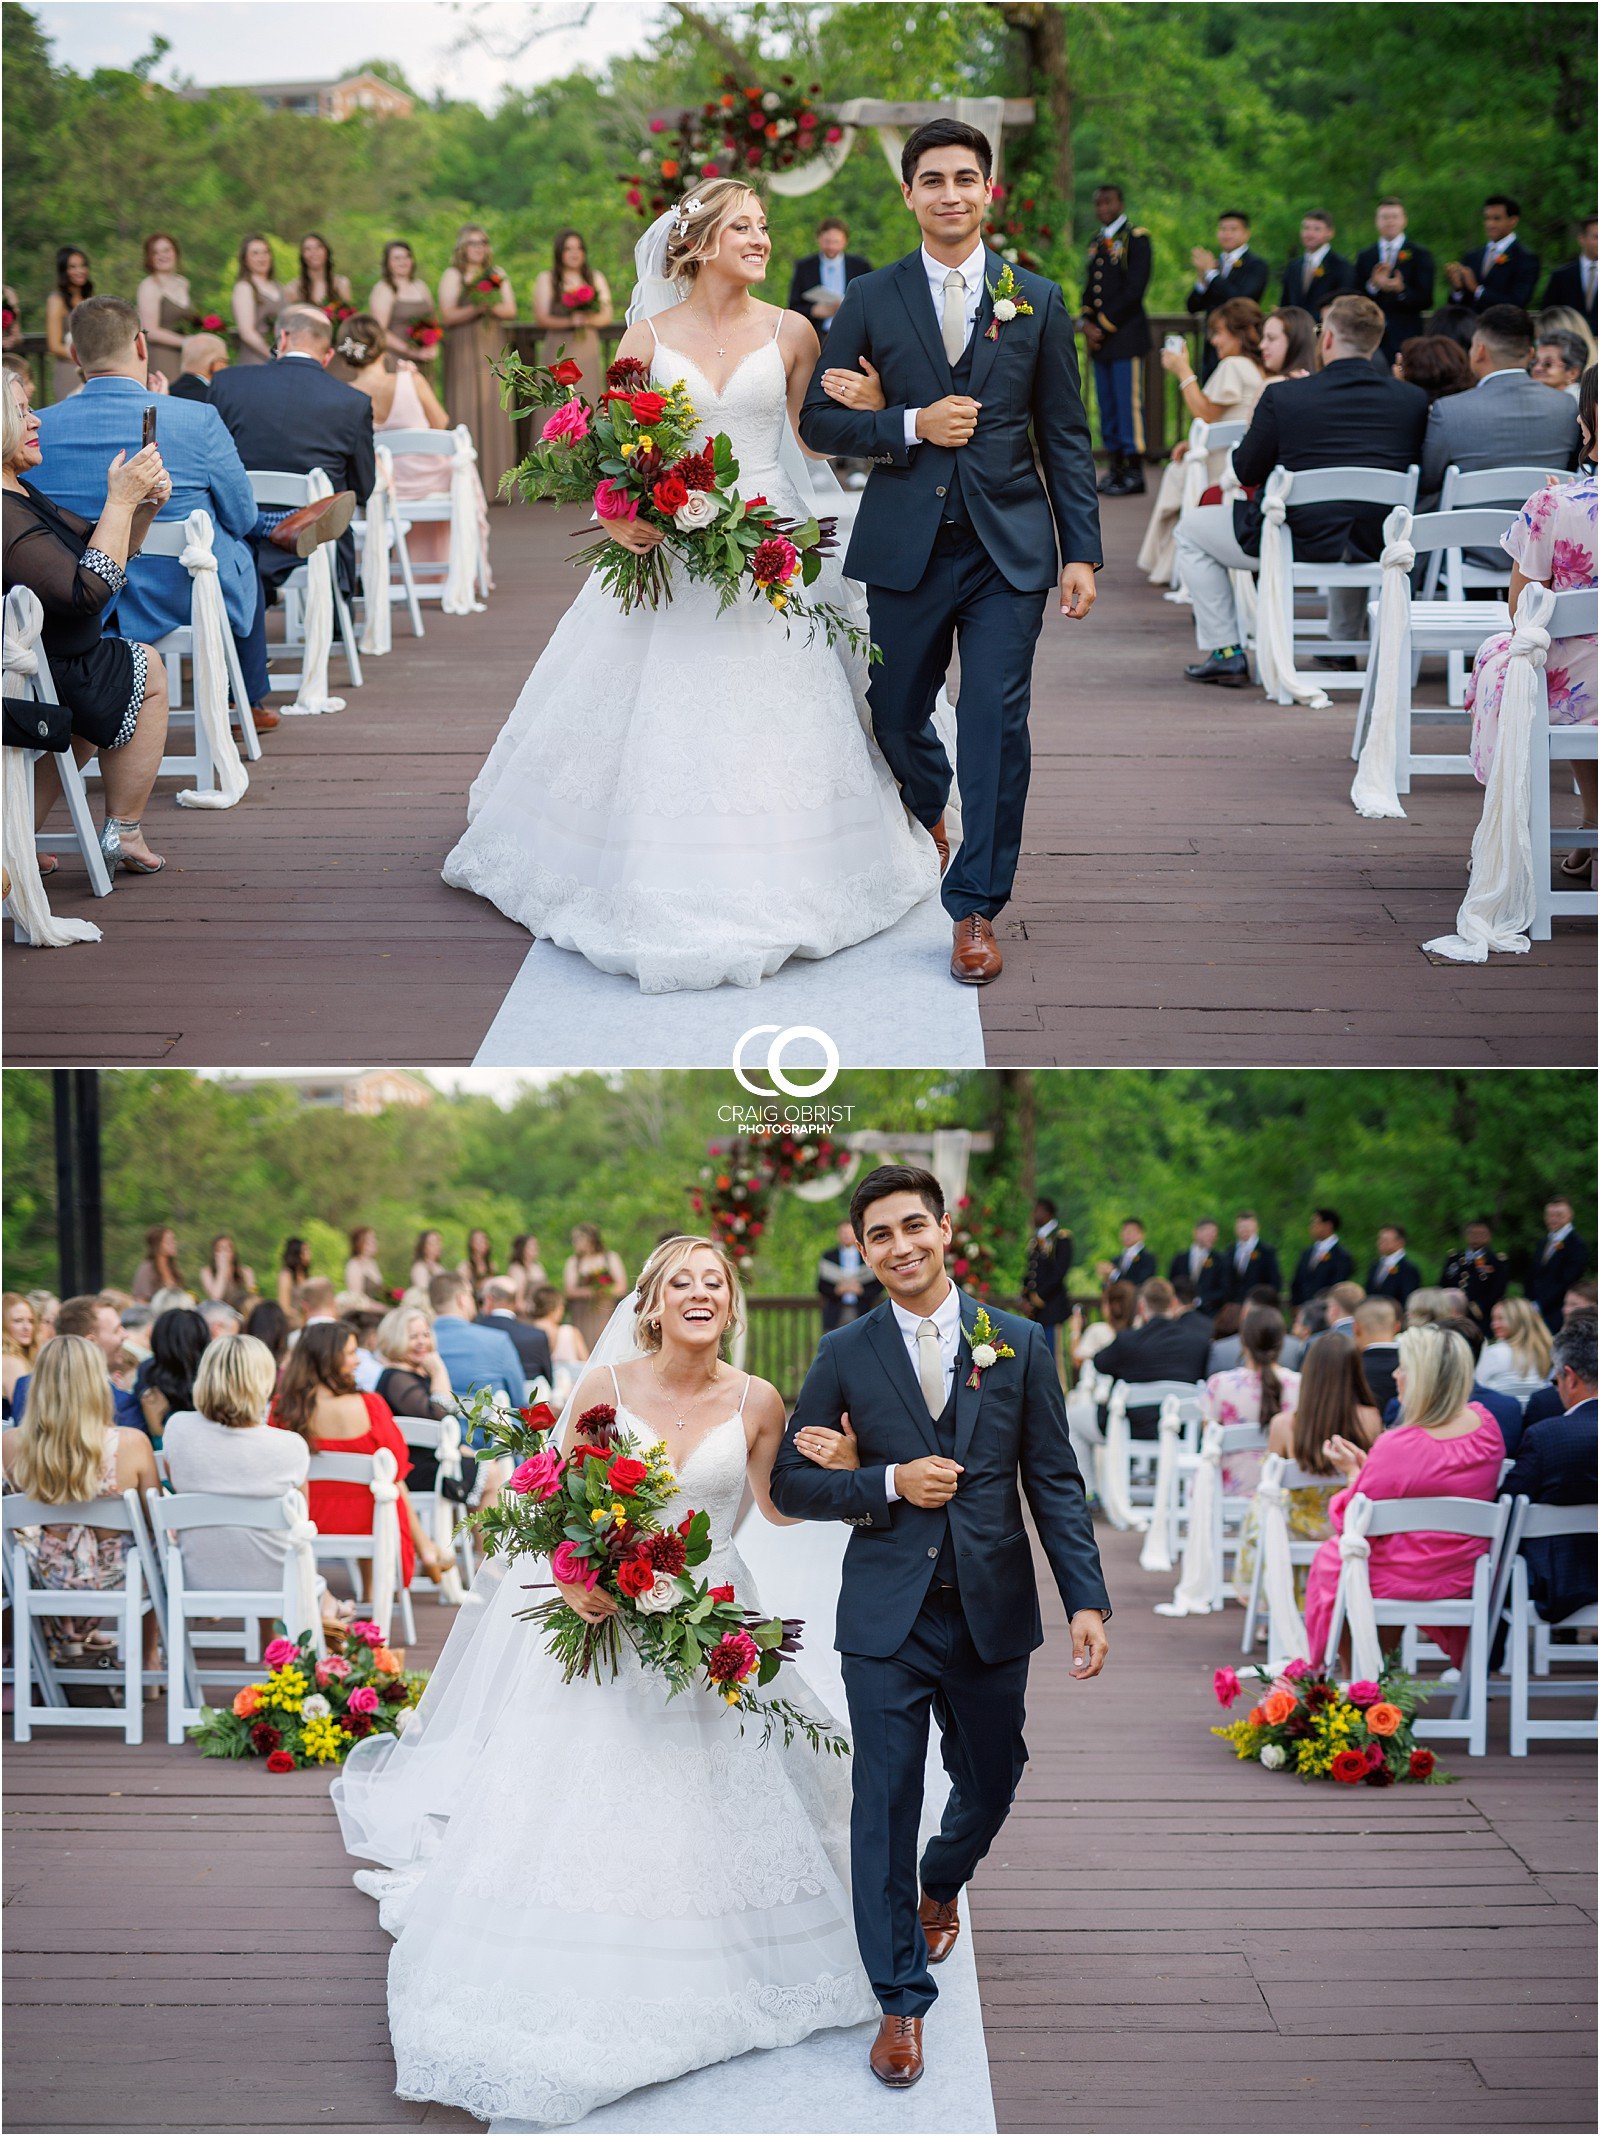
[568, 423]
[332, 1670]
[1227, 1686]
[363, 1699]
[280, 1652]
[570, 1569]
[613, 502]
[1294, 1670]
[1363, 1693]
[539, 1476]
[366, 1632]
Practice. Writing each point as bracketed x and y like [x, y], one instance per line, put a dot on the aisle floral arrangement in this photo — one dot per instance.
[311, 1711]
[596, 1514]
[972, 1252]
[1358, 1734]
[639, 454]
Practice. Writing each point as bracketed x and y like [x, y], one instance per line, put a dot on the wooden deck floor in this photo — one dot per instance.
[1195, 887]
[1166, 1940]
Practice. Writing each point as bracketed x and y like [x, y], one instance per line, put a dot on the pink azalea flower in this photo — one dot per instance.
[1227, 1686]
[568, 423]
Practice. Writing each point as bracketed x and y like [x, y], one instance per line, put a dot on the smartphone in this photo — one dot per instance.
[1174, 346]
[148, 434]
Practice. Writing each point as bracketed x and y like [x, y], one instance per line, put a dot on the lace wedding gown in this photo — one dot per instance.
[599, 1888]
[693, 798]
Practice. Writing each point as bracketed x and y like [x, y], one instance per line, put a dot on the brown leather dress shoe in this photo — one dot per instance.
[941, 1924]
[896, 2056]
[264, 719]
[941, 842]
[323, 519]
[975, 960]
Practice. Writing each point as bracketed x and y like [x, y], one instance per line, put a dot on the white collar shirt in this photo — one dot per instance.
[971, 271]
[1313, 260]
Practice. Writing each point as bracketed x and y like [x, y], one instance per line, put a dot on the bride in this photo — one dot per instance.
[687, 797]
[591, 1887]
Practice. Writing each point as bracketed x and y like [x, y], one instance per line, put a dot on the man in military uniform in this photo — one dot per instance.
[1477, 1270]
[1118, 336]
[1050, 1256]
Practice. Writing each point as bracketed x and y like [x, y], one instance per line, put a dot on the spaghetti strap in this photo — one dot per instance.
[654, 336]
[615, 1389]
[747, 1379]
[778, 329]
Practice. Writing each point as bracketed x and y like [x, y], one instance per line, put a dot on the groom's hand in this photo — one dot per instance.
[930, 1482]
[1077, 590]
[950, 421]
[1089, 1644]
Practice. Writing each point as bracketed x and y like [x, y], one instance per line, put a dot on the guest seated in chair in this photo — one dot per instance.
[1165, 1343]
[113, 690]
[1333, 1401]
[1229, 394]
[1252, 1392]
[225, 1445]
[1507, 420]
[1555, 1466]
[1445, 1446]
[1437, 364]
[1551, 543]
[204, 355]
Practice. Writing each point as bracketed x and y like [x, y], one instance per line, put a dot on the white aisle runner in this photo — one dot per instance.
[824, 2085]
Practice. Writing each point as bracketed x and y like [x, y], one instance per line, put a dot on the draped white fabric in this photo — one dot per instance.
[312, 695]
[386, 1518]
[24, 619]
[1200, 1574]
[1355, 1551]
[1498, 908]
[1083, 1426]
[461, 566]
[1373, 790]
[1275, 602]
[444, 1520]
[1194, 487]
[1114, 1459]
[300, 1611]
[377, 632]
[208, 622]
[1286, 1629]
[1156, 1556]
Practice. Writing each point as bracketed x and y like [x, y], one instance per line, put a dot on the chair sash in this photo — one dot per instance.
[24, 619]
[461, 568]
[1083, 1426]
[1286, 1630]
[300, 1606]
[1114, 1460]
[377, 628]
[208, 622]
[1156, 1556]
[1499, 906]
[444, 1520]
[1373, 790]
[1200, 1572]
[1355, 1551]
[1275, 602]
[312, 695]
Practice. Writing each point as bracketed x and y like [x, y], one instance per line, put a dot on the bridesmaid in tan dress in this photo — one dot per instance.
[257, 301]
[317, 282]
[73, 284]
[571, 302]
[475, 333]
[594, 1281]
[399, 299]
[165, 309]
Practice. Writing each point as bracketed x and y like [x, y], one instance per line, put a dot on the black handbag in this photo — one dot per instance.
[28, 724]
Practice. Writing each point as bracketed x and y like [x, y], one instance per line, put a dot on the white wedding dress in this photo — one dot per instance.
[594, 1888]
[693, 798]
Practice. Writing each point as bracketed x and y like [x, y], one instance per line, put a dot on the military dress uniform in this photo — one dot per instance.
[1117, 276]
[1483, 1274]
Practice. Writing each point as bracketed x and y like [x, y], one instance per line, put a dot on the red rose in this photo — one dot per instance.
[589, 1453]
[625, 1475]
[722, 1594]
[1349, 1766]
[566, 372]
[1421, 1764]
[539, 1417]
[648, 408]
[280, 1762]
[670, 494]
[636, 1575]
[752, 504]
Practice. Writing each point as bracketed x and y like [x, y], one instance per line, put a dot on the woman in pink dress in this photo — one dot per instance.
[1444, 1446]
[1253, 1392]
[402, 399]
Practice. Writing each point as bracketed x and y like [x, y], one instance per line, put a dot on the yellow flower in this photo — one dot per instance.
[323, 1739]
[732, 1697]
[780, 600]
[627, 446]
[619, 1512]
[596, 1518]
[286, 1688]
[644, 438]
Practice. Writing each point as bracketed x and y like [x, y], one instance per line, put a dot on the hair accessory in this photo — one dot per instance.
[687, 208]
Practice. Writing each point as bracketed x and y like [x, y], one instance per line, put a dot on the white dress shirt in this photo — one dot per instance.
[1242, 1251]
[1321, 1248]
[1552, 1239]
[971, 271]
[1047, 1231]
[1313, 260]
[1389, 250]
[1197, 1261]
[1389, 1263]
[947, 1319]
[1110, 229]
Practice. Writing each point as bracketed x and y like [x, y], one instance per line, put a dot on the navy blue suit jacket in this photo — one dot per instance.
[1027, 380]
[289, 416]
[1510, 280]
[1556, 1467]
[1545, 1402]
[1011, 1439]
[1345, 415]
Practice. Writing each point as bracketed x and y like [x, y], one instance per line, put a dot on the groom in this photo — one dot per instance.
[957, 537]
[938, 1610]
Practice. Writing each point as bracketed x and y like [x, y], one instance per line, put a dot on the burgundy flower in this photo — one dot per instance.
[627, 375]
[264, 1737]
[667, 1553]
[697, 471]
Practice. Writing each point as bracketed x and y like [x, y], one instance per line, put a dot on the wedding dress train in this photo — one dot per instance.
[693, 798]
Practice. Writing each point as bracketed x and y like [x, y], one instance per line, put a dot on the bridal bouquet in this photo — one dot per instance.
[597, 1513]
[310, 1711]
[1358, 1734]
[633, 455]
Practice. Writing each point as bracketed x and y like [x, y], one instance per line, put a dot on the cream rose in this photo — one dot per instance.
[1273, 1755]
[698, 510]
[662, 1594]
[1004, 310]
[985, 1355]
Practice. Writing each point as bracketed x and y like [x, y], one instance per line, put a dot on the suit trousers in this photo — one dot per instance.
[1116, 392]
[962, 598]
[979, 1707]
[1207, 550]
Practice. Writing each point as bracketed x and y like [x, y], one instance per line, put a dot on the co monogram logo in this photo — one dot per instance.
[777, 1081]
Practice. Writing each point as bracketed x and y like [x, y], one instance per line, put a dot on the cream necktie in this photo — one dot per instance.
[953, 326]
[930, 1364]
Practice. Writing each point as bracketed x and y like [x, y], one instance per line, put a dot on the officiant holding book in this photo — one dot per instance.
[820, 279]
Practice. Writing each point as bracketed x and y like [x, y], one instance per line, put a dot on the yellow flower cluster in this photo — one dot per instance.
[1331, 1730]
[323, 1739]
[1245, 1736]
[286, 1689]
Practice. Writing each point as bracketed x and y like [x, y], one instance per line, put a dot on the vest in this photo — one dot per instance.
[961, 378]
[944, 1430]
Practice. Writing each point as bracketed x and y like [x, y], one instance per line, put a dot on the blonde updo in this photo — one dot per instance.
[657, 1272]
[703, 215]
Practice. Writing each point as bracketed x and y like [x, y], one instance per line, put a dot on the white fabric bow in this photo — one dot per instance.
[30, 907]
[1286, 1630]
[1366, 1656]
[1373, 790]
[1156, 1555]
[1200, 1576]
[208, 619]
[1275, 602]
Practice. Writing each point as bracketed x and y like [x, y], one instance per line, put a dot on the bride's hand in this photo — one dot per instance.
[830, 1449]
[590, 1603]
[635, 534]
[853, 392]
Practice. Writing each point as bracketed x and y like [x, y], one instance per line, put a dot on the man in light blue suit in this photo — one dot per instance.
[80, 437]
[474, 1354]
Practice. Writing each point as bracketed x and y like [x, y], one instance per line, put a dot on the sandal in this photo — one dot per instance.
[113, 845]
[1578, 864]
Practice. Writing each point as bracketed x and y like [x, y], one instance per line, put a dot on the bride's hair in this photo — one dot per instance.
[657, 1273]
[703, 215]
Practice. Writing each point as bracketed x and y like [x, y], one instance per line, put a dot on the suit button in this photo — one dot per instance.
[939, 492]
[933, 1553]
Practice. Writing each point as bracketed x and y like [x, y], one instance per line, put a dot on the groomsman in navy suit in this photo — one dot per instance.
[1559, 1260]
[1252, 1263]
[1135, 1263]
[1325, 1262]
[1393, 1274]
[1573, 282]
[1397, 275]
[1499, 271]
[1233, 270]
[1203, 1267]
[1118, 335]
[1320, 274]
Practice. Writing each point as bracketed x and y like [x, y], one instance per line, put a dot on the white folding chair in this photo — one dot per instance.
[83, 837]
[1128, 1466]
[436, 444]
[1375, 487]
[380, 1549]
[276, 491]
[1531, 1656]
[172, 1515]
[1572, 615]
[1298, 1550]
[437, 1512]
[126, 1607]
[397, 527]
[1504, 486]
[170, 539]
[1366, 1520]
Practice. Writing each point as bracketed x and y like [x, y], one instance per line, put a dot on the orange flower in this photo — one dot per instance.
[1277, 1707]
[247, 1701]
[1257, 1716]
[387, 1662]
[1383, 1719]
[669, 166]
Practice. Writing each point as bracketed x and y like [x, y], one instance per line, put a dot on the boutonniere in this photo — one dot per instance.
[1404, 257]
[987, 1348]
[1316, 274]
[1008, 302]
